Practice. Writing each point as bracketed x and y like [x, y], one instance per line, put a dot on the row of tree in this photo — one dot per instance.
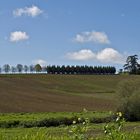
[80, 70]
[132, 67]
[58, 69]
[19, 68]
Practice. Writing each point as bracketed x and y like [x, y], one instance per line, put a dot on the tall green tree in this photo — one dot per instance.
[26, 68]
[6, 68]
[19, 68]
[131, 64]
[63, 69]
[13, 69]
[31, 68]
[38, 68]
[0, 69]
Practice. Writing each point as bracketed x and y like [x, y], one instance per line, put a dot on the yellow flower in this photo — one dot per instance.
[119, 114]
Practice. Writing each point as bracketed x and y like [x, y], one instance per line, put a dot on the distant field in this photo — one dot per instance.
[44, 93]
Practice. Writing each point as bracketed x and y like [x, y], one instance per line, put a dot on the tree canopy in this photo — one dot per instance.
[132, 65]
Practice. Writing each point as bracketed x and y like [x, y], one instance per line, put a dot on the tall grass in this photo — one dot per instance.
[112, 131]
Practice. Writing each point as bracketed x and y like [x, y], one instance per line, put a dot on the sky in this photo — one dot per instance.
[69, 32]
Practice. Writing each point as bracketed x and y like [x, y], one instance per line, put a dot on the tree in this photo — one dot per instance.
[58, 69]
[72, 69]
[44, 69]
[63, 69]
[6, 68]
[26, 68]
[77, 69]
[120, 71]
[131, 64]
[0, 69]
[13, 69]
[53, 69]
[49, 70]
[68, 69]
[19, 68]
[31, 68]
[38, 68]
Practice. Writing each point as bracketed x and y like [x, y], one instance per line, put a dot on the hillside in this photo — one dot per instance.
[41, 93]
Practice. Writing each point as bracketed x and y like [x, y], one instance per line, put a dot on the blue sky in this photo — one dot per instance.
[69, 32]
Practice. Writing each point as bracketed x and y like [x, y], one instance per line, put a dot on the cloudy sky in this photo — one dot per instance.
[69, 32]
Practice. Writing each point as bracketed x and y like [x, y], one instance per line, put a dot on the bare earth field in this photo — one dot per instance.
[58, 93]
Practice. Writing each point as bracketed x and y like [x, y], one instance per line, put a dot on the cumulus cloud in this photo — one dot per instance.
[81, 55]
[96, 37]
[39, 61]
[110, 55]
[28, 11]
[107, 55]
[18, 36]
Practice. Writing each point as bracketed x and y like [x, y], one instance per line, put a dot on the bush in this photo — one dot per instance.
[131, 108]
[9, 124]
[51, 122]
[129, 100]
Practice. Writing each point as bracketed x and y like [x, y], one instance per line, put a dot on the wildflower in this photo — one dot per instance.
[79, 119]
[74, 122]
[84, 123]
[84, 110]
[105, 131]
[117, 119]
[119, 114]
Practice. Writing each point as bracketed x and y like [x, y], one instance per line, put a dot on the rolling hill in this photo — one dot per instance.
[42, 92]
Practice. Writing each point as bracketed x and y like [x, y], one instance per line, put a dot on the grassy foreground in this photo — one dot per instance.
[95, 131]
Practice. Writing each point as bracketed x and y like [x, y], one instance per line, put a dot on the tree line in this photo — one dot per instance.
[81, 69]
[19, 68]
[132, 67]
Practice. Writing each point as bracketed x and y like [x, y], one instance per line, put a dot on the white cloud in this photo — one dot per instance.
[29, 11]
[39, 61]
[81, 55]
[96, 37]
[107, 55]
[18, 36]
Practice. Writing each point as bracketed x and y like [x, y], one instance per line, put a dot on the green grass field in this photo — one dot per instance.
[95, 130]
